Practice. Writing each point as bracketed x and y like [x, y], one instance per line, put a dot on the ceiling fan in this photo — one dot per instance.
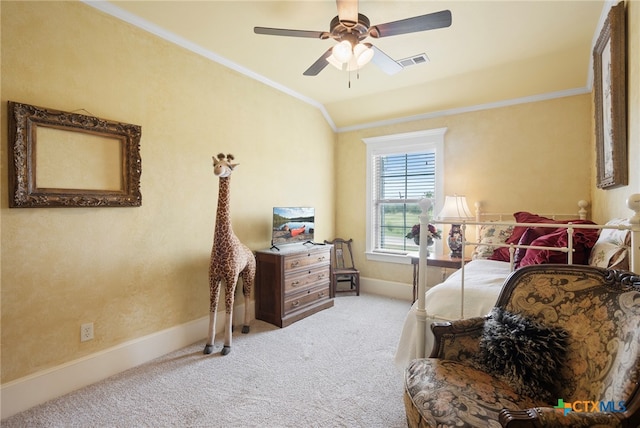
[350, 28]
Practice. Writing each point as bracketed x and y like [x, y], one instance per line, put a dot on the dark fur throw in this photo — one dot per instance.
[524, 353]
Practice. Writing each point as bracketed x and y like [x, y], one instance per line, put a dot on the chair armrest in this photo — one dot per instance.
[457, 340]
[548, 416]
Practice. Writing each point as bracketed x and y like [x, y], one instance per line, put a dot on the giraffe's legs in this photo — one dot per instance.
[229, 291]
[248, 276]
[231, 280]
[208, 348]
[215, 294]
[228, 330]
[246, 327]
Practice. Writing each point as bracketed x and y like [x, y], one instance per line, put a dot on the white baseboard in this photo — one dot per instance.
[24, 393]
[21, 394]
[396, 290]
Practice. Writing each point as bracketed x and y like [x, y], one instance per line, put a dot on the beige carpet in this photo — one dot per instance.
[333, 369]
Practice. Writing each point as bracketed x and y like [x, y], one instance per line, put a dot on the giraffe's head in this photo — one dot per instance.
[222, 166]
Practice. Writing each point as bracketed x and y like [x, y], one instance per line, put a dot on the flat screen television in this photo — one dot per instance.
[292, 225]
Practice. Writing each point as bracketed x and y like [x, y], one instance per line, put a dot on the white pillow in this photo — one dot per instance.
[612, 247]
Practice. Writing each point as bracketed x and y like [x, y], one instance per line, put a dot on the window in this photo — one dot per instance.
[401, 170]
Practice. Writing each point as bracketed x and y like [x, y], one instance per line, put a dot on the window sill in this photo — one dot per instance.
[400, 258]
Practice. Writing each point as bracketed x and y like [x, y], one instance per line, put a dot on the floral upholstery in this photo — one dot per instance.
[612, 247]
[447, 393]
[491, 234]
[599, 308]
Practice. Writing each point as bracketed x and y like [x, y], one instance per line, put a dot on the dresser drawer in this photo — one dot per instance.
[301, 260]
[298, 301]
[295, 281]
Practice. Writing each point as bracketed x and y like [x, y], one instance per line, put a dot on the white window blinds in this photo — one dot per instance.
[400, 181]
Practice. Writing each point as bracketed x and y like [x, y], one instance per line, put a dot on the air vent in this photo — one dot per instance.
[414, 60]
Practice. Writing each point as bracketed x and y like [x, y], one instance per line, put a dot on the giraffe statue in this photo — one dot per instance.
[230, 259]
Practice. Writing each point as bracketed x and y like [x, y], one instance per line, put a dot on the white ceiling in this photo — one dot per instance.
[494, 51]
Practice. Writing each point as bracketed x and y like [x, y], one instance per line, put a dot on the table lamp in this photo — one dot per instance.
[455, 209]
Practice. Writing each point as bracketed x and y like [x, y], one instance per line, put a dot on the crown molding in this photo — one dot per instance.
[460, 110]
[110, 9]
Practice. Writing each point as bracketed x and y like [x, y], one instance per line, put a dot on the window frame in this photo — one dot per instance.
[410, 142]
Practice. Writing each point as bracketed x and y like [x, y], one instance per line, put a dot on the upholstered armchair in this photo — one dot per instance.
[561, 348]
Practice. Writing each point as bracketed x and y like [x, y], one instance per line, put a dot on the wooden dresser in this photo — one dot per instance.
[292, 283]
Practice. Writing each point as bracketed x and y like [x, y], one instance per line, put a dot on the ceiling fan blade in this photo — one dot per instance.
[384, 61]
[291, 33]
[319, 65]
[430, 21]
[348, 11]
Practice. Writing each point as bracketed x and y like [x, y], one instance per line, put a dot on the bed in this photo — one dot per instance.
[502, 246]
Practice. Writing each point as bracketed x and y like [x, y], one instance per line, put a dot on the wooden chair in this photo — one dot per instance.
[343, 268]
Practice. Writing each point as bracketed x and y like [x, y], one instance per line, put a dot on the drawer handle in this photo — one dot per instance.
[321, 275]
[321, 294]
[294, 264]
[321, 258]
[296, 303]
[295, 283]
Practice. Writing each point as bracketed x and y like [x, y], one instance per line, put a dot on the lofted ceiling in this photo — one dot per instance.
[494, 51]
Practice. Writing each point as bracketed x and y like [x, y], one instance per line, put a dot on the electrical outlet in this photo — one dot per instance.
[86, 332]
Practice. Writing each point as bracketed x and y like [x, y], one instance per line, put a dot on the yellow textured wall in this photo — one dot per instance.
[610, 203]
[136, 271]
[534, 157]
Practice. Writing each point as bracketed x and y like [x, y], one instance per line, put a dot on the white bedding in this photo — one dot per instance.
[482, 284]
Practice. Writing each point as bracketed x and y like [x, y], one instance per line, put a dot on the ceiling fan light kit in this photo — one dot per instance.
[350, 28]
[345, 57]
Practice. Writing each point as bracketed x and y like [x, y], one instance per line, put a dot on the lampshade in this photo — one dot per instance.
[362, 54]
[455, 209]
[343, 51]
[333, 61]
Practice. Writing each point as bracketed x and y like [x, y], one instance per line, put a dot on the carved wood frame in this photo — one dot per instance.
[609, 65]
[24, 121]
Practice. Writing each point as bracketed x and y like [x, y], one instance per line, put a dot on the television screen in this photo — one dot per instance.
[292, 225]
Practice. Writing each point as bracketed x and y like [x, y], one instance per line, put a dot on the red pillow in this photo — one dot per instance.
[583, 241]
[529, 235]
[535, 257]
[502, 253]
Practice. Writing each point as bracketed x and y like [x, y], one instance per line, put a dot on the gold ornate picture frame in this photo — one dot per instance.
[609, 65]
[62, 159]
